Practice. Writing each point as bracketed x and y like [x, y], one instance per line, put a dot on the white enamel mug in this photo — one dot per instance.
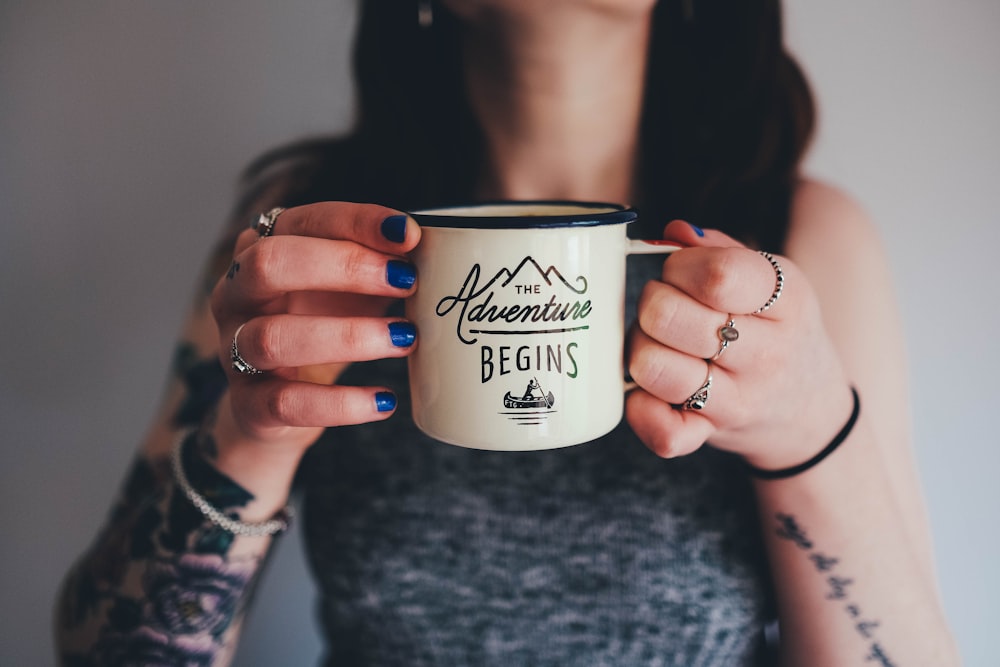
[520, 310]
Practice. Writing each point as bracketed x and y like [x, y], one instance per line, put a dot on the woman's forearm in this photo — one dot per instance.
[161, 584]
[851, 588]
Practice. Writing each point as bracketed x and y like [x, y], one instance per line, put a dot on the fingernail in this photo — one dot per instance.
[400, 274]
[385, 401]
[697, 230]
[402, 334]
[394, 228]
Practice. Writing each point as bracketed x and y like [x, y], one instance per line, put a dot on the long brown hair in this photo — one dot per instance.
[727, 117]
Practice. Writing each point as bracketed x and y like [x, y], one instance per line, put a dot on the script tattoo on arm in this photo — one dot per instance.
[159, 585]
[789, 529]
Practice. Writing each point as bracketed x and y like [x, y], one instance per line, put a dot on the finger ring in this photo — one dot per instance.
[698, 399]
[779, 282]
[241, 365]
[264, 224]
[727, 334]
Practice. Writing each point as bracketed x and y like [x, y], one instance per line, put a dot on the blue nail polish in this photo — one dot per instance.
[400, 274]
[697, 230]
[394, 228]
[402, 334]
[385, 401]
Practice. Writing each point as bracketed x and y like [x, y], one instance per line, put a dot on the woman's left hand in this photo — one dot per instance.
[778, 393]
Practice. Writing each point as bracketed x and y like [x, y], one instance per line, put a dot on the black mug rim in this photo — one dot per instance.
[436, 217]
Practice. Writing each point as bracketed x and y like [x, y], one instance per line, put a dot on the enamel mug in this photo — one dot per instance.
[519, 311]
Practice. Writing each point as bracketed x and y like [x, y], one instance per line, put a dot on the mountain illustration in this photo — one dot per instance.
[476, 308]
[508, 276]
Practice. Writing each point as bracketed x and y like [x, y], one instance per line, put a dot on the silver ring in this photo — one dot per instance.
[727, 334]
[779, 282]
[699, 399]
[264, 224]
[241, 365]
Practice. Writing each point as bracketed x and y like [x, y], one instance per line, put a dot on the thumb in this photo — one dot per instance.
[689, 235]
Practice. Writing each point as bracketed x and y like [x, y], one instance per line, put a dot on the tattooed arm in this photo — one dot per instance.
[161, 585]
[848, 540]
[850, 587]
[160, 580]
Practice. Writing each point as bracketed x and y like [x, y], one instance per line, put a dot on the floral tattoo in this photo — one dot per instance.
[159, 586]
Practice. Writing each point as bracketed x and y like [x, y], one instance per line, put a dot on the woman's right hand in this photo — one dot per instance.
[311, 298]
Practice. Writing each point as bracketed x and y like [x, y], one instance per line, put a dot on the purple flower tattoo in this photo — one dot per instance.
[196, 593]
[147, 648]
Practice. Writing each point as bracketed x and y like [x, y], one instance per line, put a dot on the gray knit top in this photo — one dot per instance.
[598, 554]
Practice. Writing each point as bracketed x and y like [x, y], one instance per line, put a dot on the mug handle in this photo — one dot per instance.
[647, 247]
[651, 247]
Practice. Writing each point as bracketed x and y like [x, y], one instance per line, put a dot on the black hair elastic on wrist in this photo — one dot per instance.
[784, 473]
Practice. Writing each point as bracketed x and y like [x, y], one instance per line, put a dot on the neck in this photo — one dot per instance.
[559, 101]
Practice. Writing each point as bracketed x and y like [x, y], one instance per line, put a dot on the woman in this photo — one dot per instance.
[805, 507]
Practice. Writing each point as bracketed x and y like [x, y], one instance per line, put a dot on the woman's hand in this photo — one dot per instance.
[308, 300]
[778, 393]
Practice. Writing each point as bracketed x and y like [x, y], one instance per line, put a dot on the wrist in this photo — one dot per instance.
[265, 469]
[217, 497]
[771, 471]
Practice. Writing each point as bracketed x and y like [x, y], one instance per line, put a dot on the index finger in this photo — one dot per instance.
[377, 227]
[731, 280]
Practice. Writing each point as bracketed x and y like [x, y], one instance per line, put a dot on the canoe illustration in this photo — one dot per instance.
[535, 402]
[533, 397]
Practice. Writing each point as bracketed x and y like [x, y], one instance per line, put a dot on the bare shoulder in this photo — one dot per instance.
[834, 241]
[825, 218]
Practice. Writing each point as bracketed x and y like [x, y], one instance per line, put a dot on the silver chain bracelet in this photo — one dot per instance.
[280, 523]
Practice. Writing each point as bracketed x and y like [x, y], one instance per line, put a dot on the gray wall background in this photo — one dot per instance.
[123, 124]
